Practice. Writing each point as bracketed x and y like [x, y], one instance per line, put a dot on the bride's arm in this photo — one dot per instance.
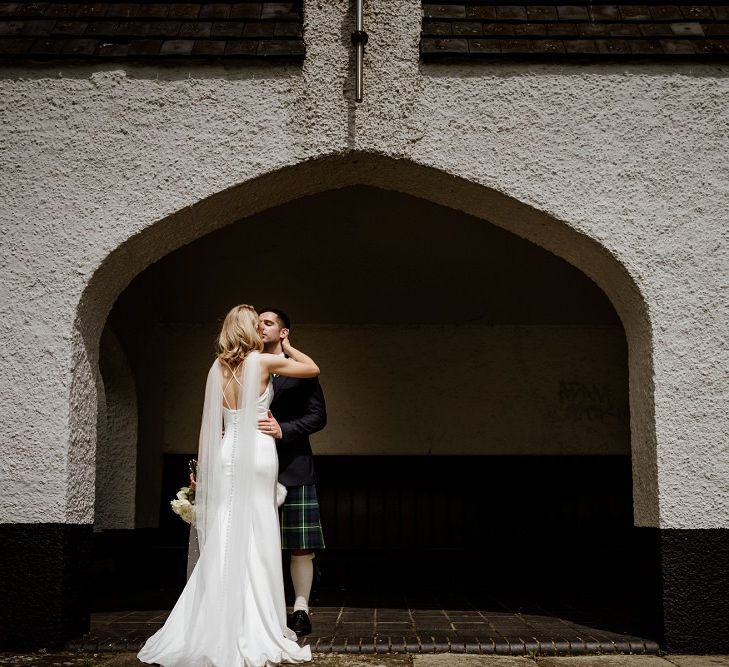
[298, 365]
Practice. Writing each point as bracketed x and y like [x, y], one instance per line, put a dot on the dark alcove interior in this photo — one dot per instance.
[548, 531]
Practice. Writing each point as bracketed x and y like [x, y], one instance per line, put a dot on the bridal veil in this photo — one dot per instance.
[221, 538]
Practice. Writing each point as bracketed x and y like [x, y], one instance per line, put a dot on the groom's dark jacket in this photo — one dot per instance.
[298, 406]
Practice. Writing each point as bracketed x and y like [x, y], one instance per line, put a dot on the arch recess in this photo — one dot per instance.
[356, 168]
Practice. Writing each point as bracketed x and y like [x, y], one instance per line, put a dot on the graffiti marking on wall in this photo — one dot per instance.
[580, 401]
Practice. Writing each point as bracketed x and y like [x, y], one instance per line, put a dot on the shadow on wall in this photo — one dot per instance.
[546, 535]
[360, 257]
[341, 171]
[516, 344]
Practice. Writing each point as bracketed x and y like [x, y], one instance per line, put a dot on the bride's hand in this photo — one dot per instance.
[286, 343]
[193, 484]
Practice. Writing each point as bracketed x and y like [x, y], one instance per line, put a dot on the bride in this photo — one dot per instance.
[232, 611]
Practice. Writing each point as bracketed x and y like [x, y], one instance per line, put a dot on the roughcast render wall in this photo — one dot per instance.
[633, 157]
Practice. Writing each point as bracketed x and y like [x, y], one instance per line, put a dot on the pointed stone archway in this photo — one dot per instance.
[326, 173]
[332, 172]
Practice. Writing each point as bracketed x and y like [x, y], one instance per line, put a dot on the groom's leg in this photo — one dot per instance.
[302, 576]
[301, 534]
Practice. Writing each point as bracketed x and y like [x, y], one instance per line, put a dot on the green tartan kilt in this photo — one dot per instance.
[299, 518]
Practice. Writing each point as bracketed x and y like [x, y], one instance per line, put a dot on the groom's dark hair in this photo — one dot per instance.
[282, 317]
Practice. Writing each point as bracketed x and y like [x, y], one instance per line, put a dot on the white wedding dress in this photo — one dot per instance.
[232, 611]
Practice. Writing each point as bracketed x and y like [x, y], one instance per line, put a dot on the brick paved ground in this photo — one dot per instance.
[76, 659]
[386, 630]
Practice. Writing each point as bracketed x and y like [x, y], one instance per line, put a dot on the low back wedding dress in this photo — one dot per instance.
[232, 611]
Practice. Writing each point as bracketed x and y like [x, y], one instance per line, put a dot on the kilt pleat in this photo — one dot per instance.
[300, 520]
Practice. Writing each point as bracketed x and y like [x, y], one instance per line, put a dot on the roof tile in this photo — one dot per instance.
[48, 45]
[215, 10]
[467, 29]
[69, 28]
[287, 29]
[613, 46]
[623, 29]
[8, 8]
[444, 11]
[444, 45]
[145, 47]
[687, 29]
[666, 13]
[717, 30]
[184, 11]
[177, 28]
[177, 47]
[605, 12]
[484, 46]
[11, 27]
[226, 29]
[123, 9]
[279, 10]
[511, 12]
[593, 29]
[154, 10]
[81, 47]
[61, 9]
[645, 46]
[677, 46]
[32, 8]
[275, 47]
[15, 45]
[196, 29]
[437, 28]
[601, 29]
[209, 47]
[92, 9]
[132, 29]
[580, 46]
[246, 10]
[697, 12]
[515, 46]
[635, 12]
[501, 29]
[546, 46]
[541, 13]
[101, 28]
[535, 29]
[480, 12]
[39, 28]
[572, 12]
[712, 46]
[562, 29]
[259, 29]
[655, 29]
[242, 47]
[113, 49]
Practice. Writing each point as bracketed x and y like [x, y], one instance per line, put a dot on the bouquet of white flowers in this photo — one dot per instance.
[184, 504]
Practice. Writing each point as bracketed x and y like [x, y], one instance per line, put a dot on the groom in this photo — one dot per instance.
[297, 411]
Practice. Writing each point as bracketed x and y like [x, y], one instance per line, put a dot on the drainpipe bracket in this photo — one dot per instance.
[359, 37]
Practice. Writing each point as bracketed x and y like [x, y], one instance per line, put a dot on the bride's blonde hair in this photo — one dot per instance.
[239, 335]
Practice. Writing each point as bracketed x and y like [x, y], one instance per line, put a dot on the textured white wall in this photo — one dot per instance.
[621, 169]
[116, 444]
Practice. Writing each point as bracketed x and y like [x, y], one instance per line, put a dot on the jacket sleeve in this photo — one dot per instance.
[313, 419]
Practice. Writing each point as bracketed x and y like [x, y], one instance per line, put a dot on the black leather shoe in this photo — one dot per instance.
[301, 624]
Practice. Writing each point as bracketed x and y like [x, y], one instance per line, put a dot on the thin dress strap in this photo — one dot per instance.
[227, 384]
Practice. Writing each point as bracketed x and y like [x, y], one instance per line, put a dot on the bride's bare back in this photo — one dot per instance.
[297, 365]
[232, 383]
